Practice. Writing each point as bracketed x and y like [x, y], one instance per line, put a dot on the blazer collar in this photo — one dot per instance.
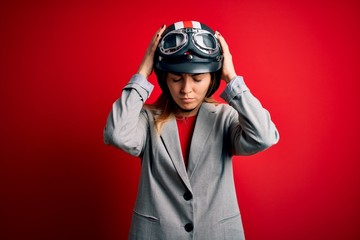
[203, 128]
[170, 137]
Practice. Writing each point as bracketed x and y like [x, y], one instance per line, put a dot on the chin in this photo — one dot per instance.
[187, 108]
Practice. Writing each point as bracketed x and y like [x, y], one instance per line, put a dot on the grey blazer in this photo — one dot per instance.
[199, 202]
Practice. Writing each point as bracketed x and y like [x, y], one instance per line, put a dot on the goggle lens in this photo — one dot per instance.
[206, 42]
[173, 43]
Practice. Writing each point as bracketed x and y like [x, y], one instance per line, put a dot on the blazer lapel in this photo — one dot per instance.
[203, 128]
[170, 138]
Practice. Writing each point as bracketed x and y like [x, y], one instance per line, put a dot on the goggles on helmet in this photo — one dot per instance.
[188, 47]
[176, 40]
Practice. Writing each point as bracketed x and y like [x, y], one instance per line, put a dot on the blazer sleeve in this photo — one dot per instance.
[127, 124]
[251, 130]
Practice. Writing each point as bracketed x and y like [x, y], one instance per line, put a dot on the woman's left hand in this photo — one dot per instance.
[228, 70]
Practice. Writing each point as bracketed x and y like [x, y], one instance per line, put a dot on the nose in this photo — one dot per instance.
[187, 85]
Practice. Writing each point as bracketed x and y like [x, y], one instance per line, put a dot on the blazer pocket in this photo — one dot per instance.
[232, 227]
[147, 217]
[144, 227]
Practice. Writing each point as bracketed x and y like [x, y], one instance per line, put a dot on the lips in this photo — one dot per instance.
[187, 100]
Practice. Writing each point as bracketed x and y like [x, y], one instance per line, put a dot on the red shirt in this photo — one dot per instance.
[186, 127]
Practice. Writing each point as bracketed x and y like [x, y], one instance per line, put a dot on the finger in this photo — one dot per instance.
[159, 33]
[156, 38]
[162, 29]
[223, 43]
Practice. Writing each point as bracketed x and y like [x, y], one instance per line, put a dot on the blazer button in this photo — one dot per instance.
[187, 195]
[189, 227]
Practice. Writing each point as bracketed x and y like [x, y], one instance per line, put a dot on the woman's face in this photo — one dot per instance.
[188, 90]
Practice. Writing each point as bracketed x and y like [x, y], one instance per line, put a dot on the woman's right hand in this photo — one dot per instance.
[228, 69]
[147, 63]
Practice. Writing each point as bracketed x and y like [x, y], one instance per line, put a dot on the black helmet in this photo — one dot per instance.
[188, 47]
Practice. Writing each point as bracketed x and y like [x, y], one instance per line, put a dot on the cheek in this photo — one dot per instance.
[170, 86]
[205, 88]
[173, 89]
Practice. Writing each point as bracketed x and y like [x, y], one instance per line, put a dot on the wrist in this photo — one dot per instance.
[229, 78]
[145, 74]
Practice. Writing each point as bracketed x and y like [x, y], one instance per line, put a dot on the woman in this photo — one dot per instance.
[185, 139]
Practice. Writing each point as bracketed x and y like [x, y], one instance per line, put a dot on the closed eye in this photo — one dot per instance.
[176, 79]
[198, 77]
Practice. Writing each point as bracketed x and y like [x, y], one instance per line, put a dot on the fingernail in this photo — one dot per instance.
[163, 26]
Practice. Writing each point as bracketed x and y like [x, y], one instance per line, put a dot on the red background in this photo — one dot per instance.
[64, 63]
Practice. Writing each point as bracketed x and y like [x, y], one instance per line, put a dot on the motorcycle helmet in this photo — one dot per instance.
[188, 47]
